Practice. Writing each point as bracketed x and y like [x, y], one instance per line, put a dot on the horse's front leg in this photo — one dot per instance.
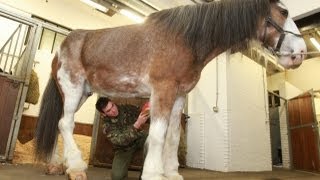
[171, 145]
[161, 105]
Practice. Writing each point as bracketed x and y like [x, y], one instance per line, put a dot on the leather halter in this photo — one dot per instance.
[282, 32]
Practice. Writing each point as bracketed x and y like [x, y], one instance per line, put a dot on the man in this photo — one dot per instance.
[123, 127]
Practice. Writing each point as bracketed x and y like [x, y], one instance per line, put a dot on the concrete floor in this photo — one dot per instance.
[31, 172]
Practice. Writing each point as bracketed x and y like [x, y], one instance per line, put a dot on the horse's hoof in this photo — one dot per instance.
[54, 169]
[77, 175]
[175, 177]
[159, 177]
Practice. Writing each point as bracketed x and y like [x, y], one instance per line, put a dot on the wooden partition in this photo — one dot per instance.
[8, 96]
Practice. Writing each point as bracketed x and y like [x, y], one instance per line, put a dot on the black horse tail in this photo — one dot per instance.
[47, 125]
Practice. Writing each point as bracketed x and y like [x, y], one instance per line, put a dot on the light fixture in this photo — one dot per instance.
[95, 5]
[131, 15]
[315, 43]
[114, 9]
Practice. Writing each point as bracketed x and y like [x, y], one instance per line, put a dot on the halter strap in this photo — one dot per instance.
[278, 28]
[282, 32]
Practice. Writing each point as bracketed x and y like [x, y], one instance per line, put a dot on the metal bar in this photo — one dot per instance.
[151, 5]
[20, 49]
[1, 56]
[275, 94]
[30, 21]
[315, 127]
[139, 6]
[40, 43]
[8, 53]
[95, 131]
[54, 40]
[302, 126]
[11, 37]
[20, 102]
[15, 48]
[22, 42]
[18, 79]
[288, 135]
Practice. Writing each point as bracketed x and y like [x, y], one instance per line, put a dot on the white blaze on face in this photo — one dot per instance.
[291, 44]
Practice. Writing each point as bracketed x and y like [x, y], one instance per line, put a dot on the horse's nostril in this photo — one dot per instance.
[293, 57]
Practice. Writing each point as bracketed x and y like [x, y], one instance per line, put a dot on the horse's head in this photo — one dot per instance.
[280, 34]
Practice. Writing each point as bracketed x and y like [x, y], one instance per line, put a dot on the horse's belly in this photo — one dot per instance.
[123, 87]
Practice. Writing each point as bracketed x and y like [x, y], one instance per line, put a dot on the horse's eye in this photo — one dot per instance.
[284, 12]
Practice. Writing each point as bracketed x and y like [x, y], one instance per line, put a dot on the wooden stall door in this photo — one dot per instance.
[303, 133]
[8, 95]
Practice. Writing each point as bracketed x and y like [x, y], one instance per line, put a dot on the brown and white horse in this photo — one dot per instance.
[161, 58]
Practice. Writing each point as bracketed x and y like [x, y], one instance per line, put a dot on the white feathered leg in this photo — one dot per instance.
[55, 165]
[72, 92]
[170, 152]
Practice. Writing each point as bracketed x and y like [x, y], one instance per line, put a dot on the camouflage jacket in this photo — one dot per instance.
[120, 130]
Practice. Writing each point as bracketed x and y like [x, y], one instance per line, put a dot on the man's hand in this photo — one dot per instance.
[143, 117]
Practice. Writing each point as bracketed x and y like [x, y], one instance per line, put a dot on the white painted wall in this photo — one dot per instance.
[207, 132]
[249, 131]
[6, 32]
[306, 76]
[299, 9]
[236, 138]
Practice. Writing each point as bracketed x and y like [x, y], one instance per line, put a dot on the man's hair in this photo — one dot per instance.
[102, 103]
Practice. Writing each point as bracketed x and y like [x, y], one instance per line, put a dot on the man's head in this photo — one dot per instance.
[106, 107]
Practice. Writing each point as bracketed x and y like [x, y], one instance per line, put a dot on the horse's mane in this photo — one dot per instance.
[223, 24]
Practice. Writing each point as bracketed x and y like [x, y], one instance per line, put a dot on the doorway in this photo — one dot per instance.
[303, 132]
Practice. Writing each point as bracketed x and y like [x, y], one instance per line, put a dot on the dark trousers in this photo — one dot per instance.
[120, 164]
[122, 159]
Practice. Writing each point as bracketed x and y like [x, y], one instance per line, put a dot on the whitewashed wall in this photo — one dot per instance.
[249, 131]
[306, 77]
[207, 133]
[236, 138]
[299, 9]
[6, 32]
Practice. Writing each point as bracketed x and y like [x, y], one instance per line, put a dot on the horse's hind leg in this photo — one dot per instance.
[72, 93]
[55, 165]
[170, 150]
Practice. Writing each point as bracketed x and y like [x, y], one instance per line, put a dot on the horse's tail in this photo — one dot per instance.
[47, 125]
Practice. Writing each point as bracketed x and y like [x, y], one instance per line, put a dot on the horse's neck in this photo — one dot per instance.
[216, 52]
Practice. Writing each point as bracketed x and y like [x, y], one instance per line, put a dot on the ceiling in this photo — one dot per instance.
[146, 7]
[310, 27]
